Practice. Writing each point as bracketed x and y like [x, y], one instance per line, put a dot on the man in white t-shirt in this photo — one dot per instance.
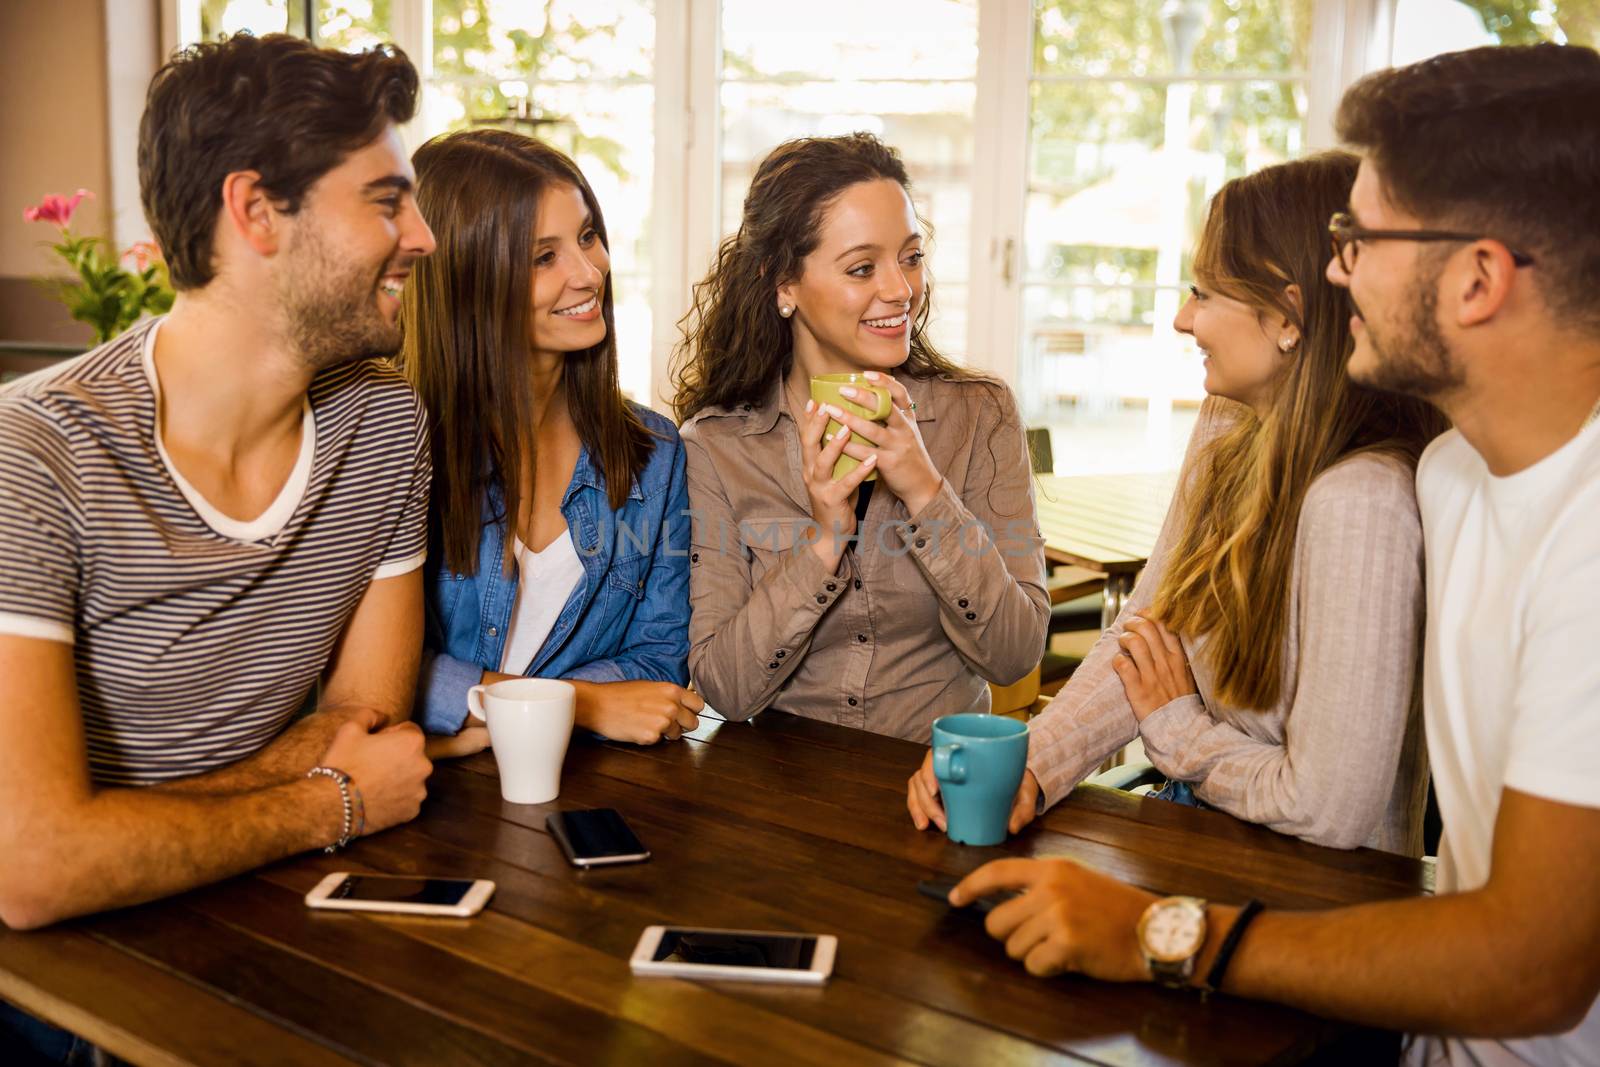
[1472, 255]
[211, 516]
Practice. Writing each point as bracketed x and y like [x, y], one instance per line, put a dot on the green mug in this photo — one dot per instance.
[825, 390]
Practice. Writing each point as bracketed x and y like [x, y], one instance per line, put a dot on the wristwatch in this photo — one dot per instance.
[1172, 931]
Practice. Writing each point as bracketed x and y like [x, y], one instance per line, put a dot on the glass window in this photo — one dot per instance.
[1424, 28]
[345, 24]
[575, 73]
[908, 75]
[1139, 112]
[578, 75]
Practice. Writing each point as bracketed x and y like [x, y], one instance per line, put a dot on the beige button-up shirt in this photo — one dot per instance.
[922, 610]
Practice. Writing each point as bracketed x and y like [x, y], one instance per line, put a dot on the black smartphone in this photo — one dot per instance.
[939, 889]
[595, 838]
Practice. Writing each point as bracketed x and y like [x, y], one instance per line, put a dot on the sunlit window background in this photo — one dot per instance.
[1138, 110]
[907, 74]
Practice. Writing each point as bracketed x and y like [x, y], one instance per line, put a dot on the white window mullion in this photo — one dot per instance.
[687, 191]
[412, 30]
[1353, 38]
[999, 187]
[133, 55]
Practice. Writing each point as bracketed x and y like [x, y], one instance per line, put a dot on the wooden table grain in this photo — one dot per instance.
[1105, 522]
[779, 824]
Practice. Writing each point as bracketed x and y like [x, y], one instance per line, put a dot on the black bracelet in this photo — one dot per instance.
[1219, 966]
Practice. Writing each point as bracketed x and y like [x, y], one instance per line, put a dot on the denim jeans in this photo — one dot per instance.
[1179, 793]
[27, 1041]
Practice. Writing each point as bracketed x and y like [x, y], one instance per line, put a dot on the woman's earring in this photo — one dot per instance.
[1288, 344]
[785, 310]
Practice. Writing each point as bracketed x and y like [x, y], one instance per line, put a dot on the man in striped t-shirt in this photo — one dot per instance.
[204, 518]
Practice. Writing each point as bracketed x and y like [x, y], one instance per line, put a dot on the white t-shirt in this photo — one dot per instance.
[1511, 673]
[545, 581]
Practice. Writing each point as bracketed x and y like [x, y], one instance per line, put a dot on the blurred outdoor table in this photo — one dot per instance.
[779, 824]
[1105, 522]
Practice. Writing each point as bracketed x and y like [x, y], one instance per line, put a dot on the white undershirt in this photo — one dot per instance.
[545, 580]
[1511, 681]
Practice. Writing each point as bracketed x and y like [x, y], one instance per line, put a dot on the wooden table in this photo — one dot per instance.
[1106, 522]
[782, 824]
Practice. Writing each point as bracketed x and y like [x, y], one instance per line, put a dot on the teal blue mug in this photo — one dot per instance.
[979, 761]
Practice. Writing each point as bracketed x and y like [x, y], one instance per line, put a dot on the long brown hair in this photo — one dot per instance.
[467, 342]
[735, 344]
[1232, 564]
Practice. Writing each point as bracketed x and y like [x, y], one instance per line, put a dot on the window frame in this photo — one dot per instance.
[1354, 37]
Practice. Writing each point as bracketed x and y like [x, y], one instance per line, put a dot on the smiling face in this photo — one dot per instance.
[570, 267]
[1395, 300]
[1240, 343]
[347, 254]
[859, 290]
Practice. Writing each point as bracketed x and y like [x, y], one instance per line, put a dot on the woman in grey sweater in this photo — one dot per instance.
[1267, 658]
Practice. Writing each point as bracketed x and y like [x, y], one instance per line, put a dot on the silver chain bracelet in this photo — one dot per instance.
[342, 780]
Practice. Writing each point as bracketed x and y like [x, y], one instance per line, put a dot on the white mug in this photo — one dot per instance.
[530, 723]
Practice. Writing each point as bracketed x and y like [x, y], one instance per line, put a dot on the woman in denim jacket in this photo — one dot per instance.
[559, 527]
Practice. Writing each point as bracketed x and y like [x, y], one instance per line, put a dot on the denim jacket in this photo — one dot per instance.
[627, 620]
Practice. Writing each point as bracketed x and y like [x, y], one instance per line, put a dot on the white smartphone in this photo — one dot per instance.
[344, 891]
[736, 955]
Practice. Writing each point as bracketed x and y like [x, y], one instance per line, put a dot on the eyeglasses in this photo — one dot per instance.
[1347, 237]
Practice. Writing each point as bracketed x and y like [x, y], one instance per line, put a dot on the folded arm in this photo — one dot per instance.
[1358, 619]
[370, 678]
[71, 848]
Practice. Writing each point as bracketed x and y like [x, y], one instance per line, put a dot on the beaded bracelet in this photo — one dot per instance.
[342, 780]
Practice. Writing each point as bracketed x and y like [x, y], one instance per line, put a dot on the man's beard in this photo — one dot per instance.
[1415, 360]
[332, 306]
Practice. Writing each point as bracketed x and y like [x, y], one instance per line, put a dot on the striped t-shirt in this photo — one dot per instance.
[196, 637]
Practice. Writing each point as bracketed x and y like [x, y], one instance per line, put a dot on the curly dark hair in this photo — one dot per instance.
[277, 105]
[735, 344]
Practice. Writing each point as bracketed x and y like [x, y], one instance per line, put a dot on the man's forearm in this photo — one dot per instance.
[1454, 964]
[126, 846]
[285, 760]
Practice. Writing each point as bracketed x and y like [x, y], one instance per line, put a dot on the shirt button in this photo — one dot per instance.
[858, 583]
[971, 617]
[772, 666]
[912, 527]
[961, 603]
[822, 599]
[695, 558]
[779, 654]
[862, 638]
[831, 586]
[921, 543]
[852, 702]
[494, 631]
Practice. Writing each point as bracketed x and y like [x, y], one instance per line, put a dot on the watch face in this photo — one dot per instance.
[1174, 930]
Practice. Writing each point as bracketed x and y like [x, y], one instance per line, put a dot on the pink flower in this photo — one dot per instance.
[143, 253]
[56, 209]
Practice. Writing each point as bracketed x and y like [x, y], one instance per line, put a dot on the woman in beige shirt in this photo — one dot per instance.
[1267, 658]
[876, 604]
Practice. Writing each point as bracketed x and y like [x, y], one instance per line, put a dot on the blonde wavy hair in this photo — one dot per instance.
[1233, 561]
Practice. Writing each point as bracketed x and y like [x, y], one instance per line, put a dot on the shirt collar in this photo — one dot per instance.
[586, 475]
